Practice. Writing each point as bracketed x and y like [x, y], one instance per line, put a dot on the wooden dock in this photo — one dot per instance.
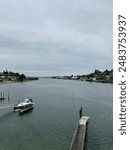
[79, 137]
[6, 106]
[2, 96]
[5, 101]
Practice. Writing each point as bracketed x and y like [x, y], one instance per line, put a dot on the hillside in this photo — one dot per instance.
[97, 76]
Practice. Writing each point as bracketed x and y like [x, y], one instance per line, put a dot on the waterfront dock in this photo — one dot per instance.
[79, 137]
[5, 101]
[6, 106]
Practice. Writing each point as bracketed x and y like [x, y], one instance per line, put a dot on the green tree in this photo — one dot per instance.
[21, 77]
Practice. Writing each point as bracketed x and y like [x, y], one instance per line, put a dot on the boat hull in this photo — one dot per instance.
[25, 110]
[24, 106]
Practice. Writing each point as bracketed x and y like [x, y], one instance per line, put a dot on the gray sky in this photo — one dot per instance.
[55, 37]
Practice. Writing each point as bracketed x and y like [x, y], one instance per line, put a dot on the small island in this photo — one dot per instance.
[97, 76]
[9, 76]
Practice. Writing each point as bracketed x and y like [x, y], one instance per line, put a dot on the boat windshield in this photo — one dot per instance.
[27, 100]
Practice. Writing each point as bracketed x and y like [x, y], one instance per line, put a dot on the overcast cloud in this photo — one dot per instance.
[55, 37]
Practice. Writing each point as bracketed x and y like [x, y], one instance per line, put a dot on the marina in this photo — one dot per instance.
[19, 107]
[2, 96]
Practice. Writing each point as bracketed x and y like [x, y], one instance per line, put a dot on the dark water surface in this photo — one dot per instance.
[51, 124]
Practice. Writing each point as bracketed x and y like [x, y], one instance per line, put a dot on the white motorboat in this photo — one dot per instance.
[24, 106]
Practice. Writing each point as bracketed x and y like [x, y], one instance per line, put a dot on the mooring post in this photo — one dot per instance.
[8, 97]
[1, 95]
[80, 112]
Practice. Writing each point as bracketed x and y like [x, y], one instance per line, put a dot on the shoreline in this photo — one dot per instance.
[6, 82]
[82, 80]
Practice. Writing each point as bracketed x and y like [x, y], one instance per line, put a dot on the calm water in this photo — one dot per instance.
[51, 124]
